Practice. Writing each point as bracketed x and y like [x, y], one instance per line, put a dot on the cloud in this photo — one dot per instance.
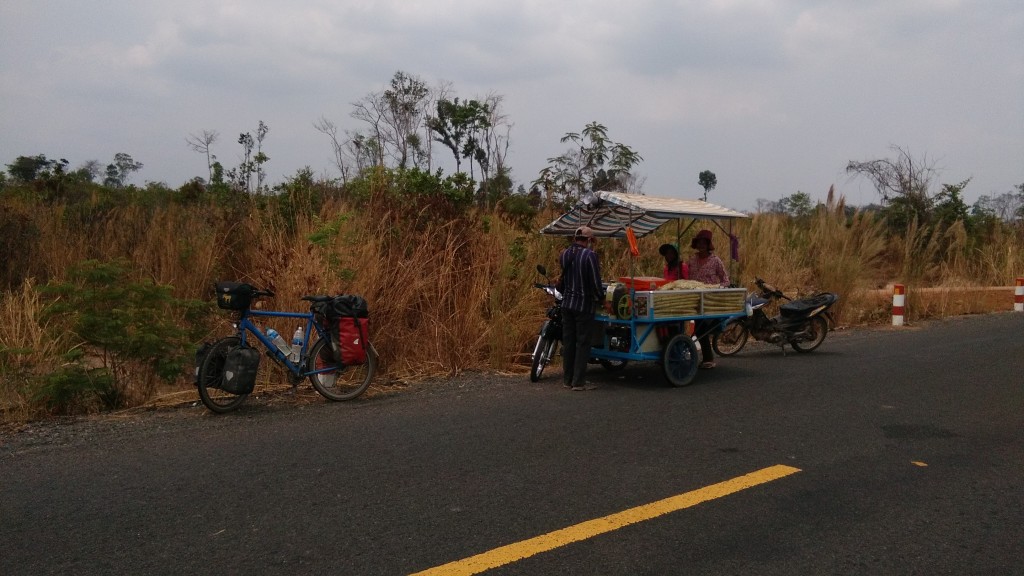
[774, 97]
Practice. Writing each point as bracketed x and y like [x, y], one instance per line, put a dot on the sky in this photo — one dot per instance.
[774, 97]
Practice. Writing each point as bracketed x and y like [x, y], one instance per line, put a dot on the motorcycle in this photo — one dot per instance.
[550, 335]
[550, 331]
[801, 323]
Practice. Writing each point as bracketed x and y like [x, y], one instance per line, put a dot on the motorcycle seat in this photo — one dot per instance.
[804, 305]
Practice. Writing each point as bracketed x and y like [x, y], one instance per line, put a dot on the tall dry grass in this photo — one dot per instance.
[450, 293]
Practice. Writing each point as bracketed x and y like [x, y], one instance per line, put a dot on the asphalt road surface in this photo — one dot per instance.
[886, 451]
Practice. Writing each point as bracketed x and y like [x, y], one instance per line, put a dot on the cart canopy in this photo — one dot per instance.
[610, 213]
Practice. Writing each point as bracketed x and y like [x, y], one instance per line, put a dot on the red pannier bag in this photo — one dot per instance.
[347, 322]
[353, 334]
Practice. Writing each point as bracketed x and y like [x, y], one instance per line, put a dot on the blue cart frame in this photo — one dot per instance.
[619, 215]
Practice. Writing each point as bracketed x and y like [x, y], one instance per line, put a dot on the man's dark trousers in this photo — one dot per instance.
[576, 330]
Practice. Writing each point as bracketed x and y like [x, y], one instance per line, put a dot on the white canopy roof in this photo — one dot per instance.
[615, 211]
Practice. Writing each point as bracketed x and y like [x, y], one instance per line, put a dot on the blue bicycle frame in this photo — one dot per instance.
[246, 325]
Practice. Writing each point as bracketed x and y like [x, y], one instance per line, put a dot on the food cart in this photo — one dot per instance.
[641, 319]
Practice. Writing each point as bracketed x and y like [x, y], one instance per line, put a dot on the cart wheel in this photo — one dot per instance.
[680, 359]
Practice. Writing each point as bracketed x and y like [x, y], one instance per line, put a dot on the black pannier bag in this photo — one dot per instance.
[234, 295]
[346, 320]
[240, 366]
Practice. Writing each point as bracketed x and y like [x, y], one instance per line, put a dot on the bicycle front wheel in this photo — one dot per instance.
[336, 381]
[211, 377]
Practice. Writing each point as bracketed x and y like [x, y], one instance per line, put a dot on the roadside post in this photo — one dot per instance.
[899, 299]
[1018, 296]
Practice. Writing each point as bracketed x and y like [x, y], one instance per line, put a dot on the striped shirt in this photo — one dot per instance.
[581, 278]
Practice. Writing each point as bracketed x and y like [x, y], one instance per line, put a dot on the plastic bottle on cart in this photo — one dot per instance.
[296, 345]
[278, 341]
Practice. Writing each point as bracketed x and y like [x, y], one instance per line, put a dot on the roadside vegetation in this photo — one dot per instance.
[105, 286]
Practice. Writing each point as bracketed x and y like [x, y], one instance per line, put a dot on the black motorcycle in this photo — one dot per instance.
[550, 331]
[801, 323]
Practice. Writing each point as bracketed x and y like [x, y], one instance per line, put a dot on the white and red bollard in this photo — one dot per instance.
[899, 301]
[1018, 296]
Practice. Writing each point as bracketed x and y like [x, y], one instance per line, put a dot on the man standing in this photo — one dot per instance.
[581, 293]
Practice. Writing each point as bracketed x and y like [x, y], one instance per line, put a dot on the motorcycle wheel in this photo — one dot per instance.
[680, 359]
[818, 327]
[730, 340]
[542, 353]
[613, 365]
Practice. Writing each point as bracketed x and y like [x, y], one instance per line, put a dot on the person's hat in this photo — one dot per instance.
[666, 247]
[706, 235]
[584, 232]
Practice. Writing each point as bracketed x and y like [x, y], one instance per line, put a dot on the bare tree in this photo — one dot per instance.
[202, 143]
[326, 127]
[496, 135]
[903, 183]
[370, 111]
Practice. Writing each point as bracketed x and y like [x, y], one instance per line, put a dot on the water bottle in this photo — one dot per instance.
[297, 345]
[278, 341]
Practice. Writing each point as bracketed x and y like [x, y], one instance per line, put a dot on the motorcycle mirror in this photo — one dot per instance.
[543, 271]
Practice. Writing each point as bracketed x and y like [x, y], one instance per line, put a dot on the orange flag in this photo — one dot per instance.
[631, 237]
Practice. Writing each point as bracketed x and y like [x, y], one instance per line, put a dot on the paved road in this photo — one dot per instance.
[903, 451]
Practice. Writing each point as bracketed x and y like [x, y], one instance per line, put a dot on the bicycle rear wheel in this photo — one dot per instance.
[340, 382]
[211, 376]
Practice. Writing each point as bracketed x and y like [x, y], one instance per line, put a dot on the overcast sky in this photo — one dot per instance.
[773, 97]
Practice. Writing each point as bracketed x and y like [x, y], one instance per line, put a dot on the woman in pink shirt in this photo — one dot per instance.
[704, 266]
[707, 268]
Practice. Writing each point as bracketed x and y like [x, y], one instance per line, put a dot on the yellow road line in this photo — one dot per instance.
[545, 542]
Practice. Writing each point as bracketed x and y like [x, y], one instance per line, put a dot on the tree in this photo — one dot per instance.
[903, 183]
[496, 137]
[89, 171]
[1006, 207]
[395, 116]
[403, 115]
[327, 128]
[246, 169]
[797, 205]
[707, 181]
[457, 125]
[29, 168]
[950, 206]
[202, 143]
[118, 172]
[260, 158]
[595, 162]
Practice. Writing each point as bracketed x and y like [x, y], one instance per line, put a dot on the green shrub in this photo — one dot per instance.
[122, 332]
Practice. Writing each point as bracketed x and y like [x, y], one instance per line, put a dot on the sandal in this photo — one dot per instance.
[707, 365]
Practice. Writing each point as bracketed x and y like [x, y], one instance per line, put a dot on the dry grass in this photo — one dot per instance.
[28, 344]
[453, 294]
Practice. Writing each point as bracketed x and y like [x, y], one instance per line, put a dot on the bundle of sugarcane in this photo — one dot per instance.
[667, 305]
[724, 301]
